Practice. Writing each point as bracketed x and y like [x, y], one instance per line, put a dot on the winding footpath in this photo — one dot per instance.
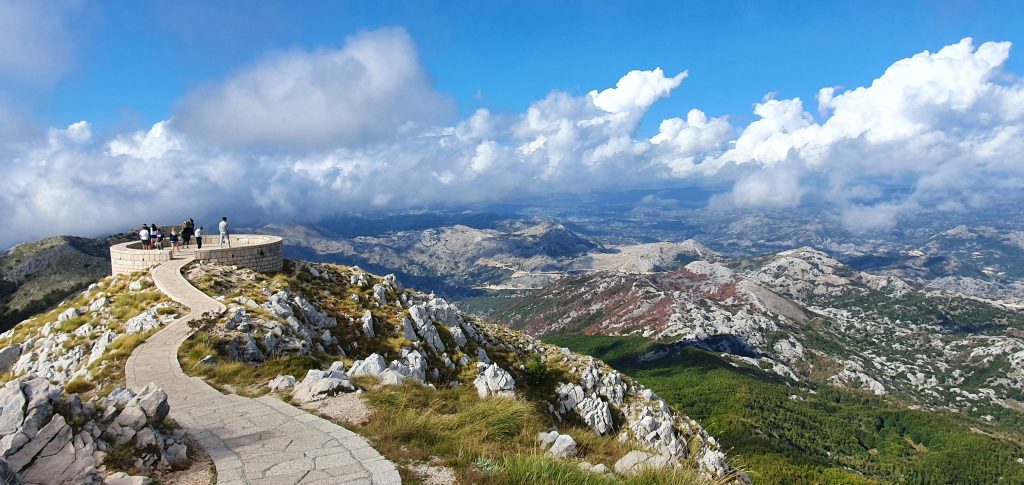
[251, 441]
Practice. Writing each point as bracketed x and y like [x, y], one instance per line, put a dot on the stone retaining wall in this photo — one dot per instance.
[257, 252]
[129, 257]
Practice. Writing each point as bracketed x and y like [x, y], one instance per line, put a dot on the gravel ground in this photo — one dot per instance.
[200, 472]
[348, 408]
[434, 475]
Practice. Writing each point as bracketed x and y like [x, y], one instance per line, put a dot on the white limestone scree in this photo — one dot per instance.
[254, 251]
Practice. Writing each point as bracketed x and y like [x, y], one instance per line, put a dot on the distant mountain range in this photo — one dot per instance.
[457, 259]
[805, 315]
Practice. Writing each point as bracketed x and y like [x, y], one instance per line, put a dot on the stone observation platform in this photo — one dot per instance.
[254, 251]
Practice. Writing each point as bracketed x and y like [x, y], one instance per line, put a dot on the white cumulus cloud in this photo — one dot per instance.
[302, 135]
[371, 88]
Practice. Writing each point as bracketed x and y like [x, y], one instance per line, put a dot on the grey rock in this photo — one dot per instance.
[545, 439]
[366, 324]
[318, 385]
[132, 417]
[7, 474]
[236, 316]
[143, 322]
[633, 462]
[208, 360]
[380, 294]
[596, 414]
[65, 458]
[373, 365]
[564, 446]
[175, 454]
[281, 383]
[391, 378]
[12, 407]
[413, 365]
[278, 305]
[56, 431]
[121, 478]
[8, 356]
[146, 437]
[153, 401]
[316, 318]
[458, 336]
[119, 396]
[99, 347]
[495, 381]
[68, 314]
[425, 327]
[481, 355]
[409, 331]
[392, 281]
[99, 304]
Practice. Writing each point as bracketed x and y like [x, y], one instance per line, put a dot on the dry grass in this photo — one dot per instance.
[415, 423]
[249, 380]
[108, 372]
[528, 469]
[78, 385]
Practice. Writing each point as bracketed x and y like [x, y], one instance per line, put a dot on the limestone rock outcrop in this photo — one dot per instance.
[63, 347]
[48, 438]
[296, 327]
[318, 385]
[494, 381]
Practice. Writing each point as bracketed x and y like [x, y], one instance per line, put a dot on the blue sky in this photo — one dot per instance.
[300, 111]
[132, 61]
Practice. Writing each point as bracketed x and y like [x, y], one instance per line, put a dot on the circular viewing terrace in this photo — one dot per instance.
[254, 251]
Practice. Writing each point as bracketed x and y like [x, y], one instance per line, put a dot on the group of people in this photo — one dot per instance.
[152, 237]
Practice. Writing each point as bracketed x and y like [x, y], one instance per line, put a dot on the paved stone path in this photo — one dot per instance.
[251, 441]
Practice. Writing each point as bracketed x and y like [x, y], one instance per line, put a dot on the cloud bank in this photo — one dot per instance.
[303, 135]
[371, 89]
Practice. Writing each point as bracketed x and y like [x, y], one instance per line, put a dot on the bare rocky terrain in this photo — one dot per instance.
[805, 315]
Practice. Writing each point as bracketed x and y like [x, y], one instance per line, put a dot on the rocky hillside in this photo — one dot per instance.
[388, 361]
[979, 261]
[318, 332]
[35, 276]
[65, 415]
[456, 259]
[805, 315]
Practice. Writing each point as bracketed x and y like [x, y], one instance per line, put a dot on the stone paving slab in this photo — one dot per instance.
[251, 441]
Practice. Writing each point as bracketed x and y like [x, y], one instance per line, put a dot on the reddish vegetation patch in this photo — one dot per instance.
[624, 304]
[619, 306]
[723, 292]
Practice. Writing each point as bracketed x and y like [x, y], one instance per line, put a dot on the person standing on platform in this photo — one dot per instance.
[144, 236]
[186, 233]
[224, 236]
[199, 238]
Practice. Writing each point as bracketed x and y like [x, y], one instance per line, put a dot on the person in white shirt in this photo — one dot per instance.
[144, 236]
[224, 236]
[199, 238]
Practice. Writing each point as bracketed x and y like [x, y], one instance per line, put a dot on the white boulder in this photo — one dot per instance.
[495, 381]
